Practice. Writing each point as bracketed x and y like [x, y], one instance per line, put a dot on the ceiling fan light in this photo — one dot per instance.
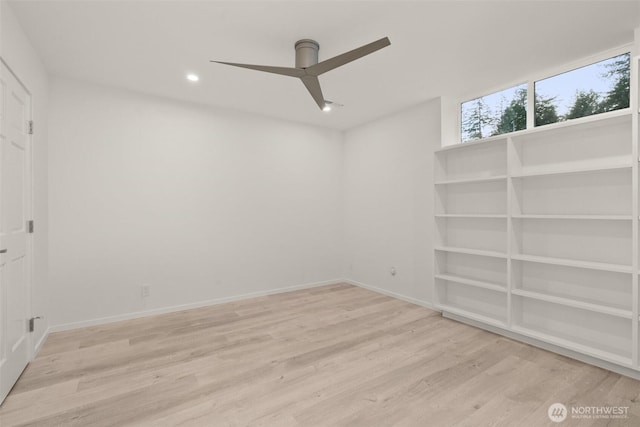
[326, 108]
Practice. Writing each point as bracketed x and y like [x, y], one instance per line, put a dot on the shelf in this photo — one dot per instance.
[572, 171]
[604, 194]
[595, 287]
[477, 143]
[616, 268]
[477, 268]
[471, 282]
[549, 214]
[626, 314]
[479, 216]
[579, 217]
[472, 180]
[480, 252]
[571, 345]
[473, 316]
[603, 119]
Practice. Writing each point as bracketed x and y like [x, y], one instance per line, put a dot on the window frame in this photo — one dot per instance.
[530, 82]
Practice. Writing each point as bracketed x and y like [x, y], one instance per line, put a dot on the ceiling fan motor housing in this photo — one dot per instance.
[306, 53]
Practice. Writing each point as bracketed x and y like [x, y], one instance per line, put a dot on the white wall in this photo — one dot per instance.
[388, 199]
[200, 203]
[17, 52]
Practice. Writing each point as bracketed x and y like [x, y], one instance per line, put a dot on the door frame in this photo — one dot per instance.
[29, 210]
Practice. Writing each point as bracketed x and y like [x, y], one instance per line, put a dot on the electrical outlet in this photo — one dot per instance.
[145, 291]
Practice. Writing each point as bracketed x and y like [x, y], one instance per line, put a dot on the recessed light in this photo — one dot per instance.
[192, 77]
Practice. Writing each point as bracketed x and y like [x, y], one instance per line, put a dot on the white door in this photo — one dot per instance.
[15, 113]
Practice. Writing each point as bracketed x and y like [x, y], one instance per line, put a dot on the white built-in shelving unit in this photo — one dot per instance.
[537, 236]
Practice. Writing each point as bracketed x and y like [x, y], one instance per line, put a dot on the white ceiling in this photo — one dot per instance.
[446, 48]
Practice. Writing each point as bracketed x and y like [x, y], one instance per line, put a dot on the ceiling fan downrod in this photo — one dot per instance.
[306, 53]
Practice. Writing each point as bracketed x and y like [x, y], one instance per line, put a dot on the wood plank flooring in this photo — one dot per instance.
[331, 356]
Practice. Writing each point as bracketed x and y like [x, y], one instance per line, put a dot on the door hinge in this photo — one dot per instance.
[32, 323]
[30, 127]
[30, 226]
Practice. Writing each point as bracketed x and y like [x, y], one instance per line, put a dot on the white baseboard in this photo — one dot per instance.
[170, 309]
[426, 304]
[40, 343]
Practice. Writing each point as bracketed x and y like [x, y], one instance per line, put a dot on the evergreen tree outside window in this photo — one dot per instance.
[495, 114]
[589, 90]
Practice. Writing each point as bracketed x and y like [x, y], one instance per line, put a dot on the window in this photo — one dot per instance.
[592, 89]
[495, 114]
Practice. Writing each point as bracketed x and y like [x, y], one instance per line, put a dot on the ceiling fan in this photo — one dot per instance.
[308, 68]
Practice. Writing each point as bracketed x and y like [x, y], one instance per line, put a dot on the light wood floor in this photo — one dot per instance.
[331, 356]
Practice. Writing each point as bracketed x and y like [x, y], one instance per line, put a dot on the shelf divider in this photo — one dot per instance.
[492, 254]
[473, 316]
[575, 217]
[618, 312]
[472, 282]
[572, 171]
[478, 216]
[472, 180]
[616, 268]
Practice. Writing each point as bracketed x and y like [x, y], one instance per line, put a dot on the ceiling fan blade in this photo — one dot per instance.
[284, 71]
[313, 86]
[345, 58]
